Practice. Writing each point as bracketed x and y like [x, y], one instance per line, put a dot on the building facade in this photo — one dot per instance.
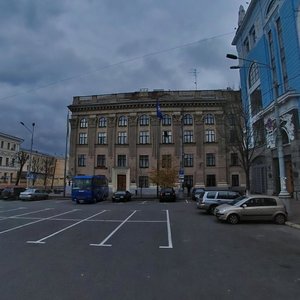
[268, 42]
[9, 147]
[122, 137]
[46, 170]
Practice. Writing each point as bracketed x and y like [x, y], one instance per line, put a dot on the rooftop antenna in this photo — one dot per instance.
[195, 72]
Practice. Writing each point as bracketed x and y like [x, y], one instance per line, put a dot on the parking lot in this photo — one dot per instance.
[55, 249]
[63, 218]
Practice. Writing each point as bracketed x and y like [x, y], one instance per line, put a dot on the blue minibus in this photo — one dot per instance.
[89, 188]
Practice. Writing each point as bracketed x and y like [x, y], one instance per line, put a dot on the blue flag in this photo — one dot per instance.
[159, 114]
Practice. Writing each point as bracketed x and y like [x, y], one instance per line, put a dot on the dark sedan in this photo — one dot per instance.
[167, 194]
[121, 196]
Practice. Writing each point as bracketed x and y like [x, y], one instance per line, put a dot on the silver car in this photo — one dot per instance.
[33, 194]
[256, 208]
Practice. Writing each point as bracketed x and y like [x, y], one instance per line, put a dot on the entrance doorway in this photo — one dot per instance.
[121, 182]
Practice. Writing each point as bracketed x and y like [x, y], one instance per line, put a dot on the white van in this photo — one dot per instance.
[211, 199]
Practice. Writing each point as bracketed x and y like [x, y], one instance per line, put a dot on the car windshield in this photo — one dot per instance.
[236, 201]
[119, 193]
[28, 191]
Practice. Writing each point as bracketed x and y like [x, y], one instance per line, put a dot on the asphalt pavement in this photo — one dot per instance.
[293, 207]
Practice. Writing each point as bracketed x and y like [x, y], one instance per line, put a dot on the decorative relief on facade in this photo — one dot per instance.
[287, 125]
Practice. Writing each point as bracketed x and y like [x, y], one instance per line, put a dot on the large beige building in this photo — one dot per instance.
[120, 136]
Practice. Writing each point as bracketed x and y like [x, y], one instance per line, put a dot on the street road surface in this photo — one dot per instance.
[55, 249]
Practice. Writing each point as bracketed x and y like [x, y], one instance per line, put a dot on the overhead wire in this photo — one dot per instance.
[116, 64]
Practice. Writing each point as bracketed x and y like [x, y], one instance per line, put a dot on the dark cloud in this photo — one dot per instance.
[52, 50]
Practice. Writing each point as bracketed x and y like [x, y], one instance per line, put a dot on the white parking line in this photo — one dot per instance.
[41, 241]
[170, 246]
[30, 223]
[102, 244]
[13, 209]
[17, 216]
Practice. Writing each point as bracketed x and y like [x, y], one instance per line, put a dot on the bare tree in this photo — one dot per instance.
[243, 137]
[48, 168]
[21, 157]
[36, 168]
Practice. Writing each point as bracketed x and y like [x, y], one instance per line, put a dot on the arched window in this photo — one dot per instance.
[209, 119]
[167, 120]
[144, 120]
[253, 74]
[122, 121]
[188, 119]
[102, 122]
[83, 123]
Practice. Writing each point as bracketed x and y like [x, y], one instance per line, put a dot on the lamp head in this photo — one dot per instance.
[231, 56]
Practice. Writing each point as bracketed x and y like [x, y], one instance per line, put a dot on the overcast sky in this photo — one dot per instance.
[52, 50]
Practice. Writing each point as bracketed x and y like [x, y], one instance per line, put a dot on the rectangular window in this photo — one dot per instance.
[188, 160]
[234, 159]
[0, 161]
[235, 180]
[101, 161]
[273, 64]
[144, 137]
[256, 101]
[82, 138]
[81, 160]
[102, 138]
[121, 161]
[122, 137]
[210, 136]
[246, 46]
[210, 180]
[8, 146]
[166, 161]
[282, 54]
[210, 159]
[7, 161]
[144, 161]
[188, 136]
[2, 144]
[167, 137]
[143, 181]
[252, 35]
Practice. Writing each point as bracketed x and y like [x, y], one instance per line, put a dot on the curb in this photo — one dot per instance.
[291, 224]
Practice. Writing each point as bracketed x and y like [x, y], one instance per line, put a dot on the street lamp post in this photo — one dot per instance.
[283, 191]
[29, 171]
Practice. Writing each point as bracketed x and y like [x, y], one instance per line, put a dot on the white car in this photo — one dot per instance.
[34, 194]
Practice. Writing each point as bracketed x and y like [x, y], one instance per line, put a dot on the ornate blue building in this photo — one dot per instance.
[268, 46]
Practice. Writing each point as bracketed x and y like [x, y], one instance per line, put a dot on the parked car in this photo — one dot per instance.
[167, 194]
[121, 196]
[197, 193]
[12, 192]
[253, 208]
[34, 194]
[211, 199]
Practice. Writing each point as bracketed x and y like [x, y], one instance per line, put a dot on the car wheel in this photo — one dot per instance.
[211, 209]
[280, 219]
[233, 219]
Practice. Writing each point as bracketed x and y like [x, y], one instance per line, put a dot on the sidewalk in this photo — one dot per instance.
[293, 208]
